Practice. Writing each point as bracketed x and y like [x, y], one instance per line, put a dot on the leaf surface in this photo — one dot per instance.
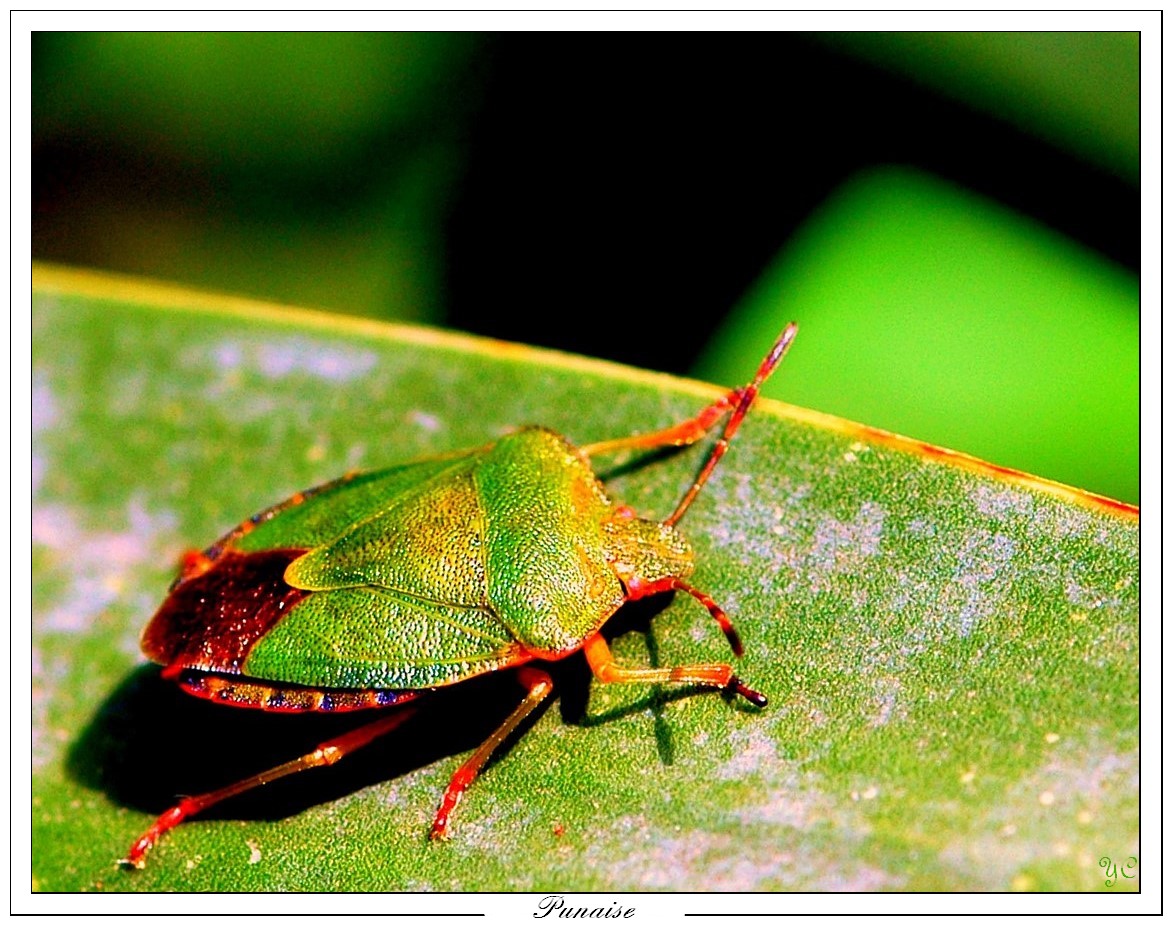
[950, 652]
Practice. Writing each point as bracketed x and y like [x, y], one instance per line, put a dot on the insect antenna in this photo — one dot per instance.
[744, 397]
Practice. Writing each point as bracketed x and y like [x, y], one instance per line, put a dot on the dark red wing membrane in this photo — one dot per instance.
[211, 620]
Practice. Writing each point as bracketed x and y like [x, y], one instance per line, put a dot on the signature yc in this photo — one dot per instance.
[1112, 870]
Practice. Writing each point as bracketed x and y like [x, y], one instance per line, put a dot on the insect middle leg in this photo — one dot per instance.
[539, 686]
[606, 670]
[327, 753]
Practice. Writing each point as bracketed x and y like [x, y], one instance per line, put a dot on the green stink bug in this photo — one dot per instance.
[369, 591]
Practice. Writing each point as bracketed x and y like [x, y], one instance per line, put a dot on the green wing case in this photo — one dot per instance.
[426, 542]
[435, 571]
[549, 573]
[375, 638]
[328, 511]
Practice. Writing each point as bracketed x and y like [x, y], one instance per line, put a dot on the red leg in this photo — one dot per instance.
[606, 670]
[326, 754]
[746, 396]
[736, 402]
[637, 588]
[678, 435]
[540, 685]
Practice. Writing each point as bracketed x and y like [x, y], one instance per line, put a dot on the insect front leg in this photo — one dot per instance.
[678, 435]
[606, 670]
[736, 403]
[637, 588]
[539, 686]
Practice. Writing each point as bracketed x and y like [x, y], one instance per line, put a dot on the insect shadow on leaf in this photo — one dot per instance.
[149, 743]
[641, 461]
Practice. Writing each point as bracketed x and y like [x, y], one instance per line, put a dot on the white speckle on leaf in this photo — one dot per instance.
[280, 358]
[99, 561]
[227, 355]
[761, 531]
[887, 691]
[37, 471]
[1037, 810]
[1092, 776]
[721, 862]
[46, 677]
[1082, 597]
[980, 563]
[753, 751]
[919, 527]
[425, 421]
[44, 406]
[1002, 501]
[297, 356]
[795, 803]
[865, 879]
[356, 455]
[1071, 521]
[842, 546]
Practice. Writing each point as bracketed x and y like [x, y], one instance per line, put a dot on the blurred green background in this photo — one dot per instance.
[952, 217]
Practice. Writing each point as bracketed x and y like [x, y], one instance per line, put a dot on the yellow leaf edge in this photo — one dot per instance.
[50, 278]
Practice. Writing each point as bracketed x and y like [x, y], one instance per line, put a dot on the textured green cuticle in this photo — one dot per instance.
[546, 559]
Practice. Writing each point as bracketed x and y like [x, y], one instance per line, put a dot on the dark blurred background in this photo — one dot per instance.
[952, 217]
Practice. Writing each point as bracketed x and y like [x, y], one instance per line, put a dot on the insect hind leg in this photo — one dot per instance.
[327, 753]
[539, 686]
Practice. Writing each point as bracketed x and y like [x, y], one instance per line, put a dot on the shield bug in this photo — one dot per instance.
[370, 591]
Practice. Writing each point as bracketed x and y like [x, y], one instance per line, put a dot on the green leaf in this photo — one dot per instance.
[950, 651]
